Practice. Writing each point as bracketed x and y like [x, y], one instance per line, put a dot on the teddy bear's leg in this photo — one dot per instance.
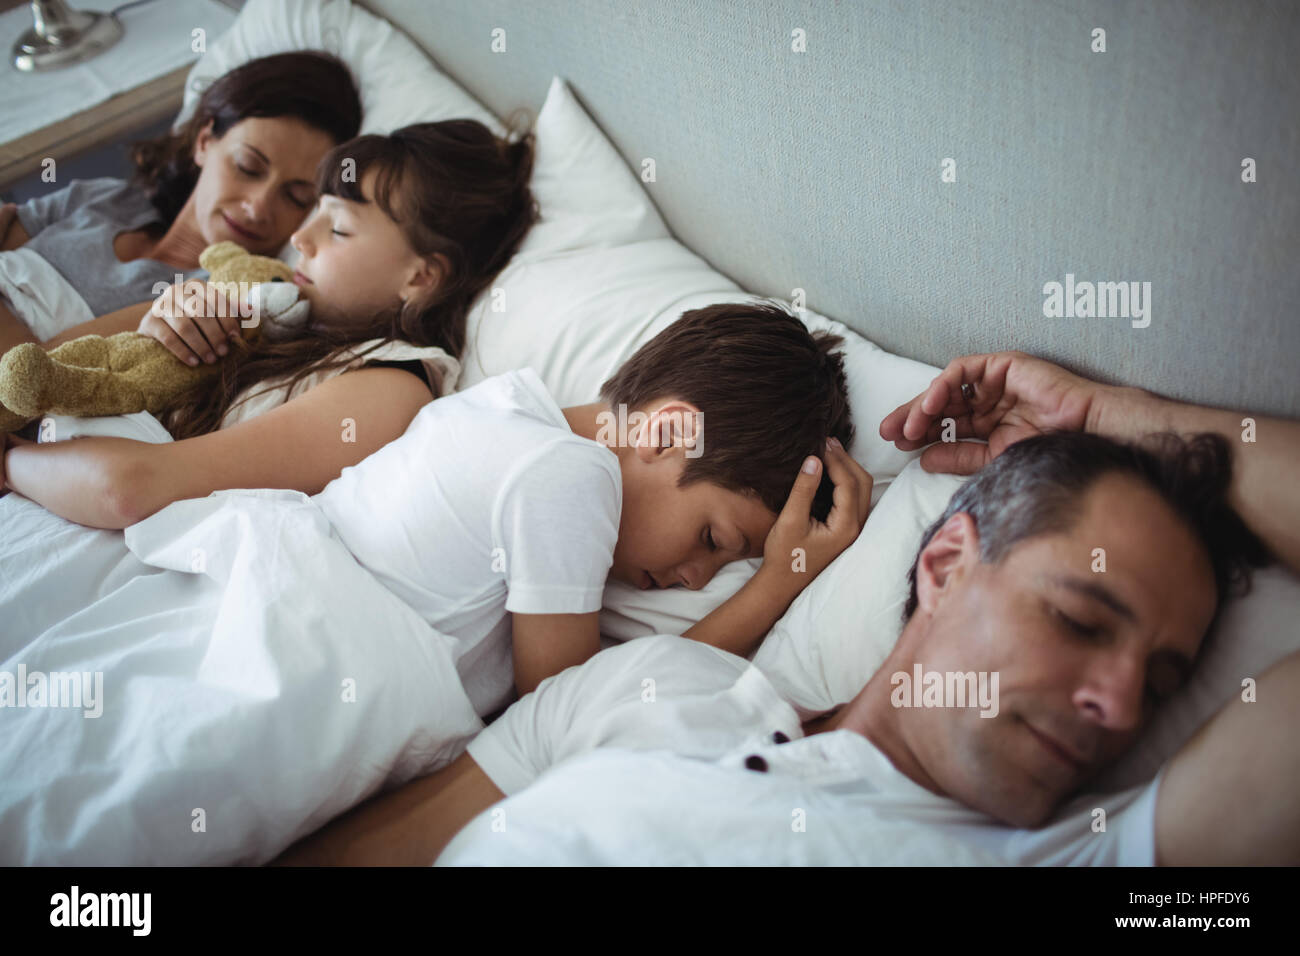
[35, 382]
[11, 421]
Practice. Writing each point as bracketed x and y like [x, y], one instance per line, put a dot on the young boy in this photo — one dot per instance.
[496, 500]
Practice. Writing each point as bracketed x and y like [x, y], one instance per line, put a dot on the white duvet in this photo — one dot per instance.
[256, 682]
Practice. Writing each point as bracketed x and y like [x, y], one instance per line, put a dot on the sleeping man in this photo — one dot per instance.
[665, 750]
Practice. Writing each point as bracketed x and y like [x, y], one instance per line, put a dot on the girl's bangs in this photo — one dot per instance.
[337, 177]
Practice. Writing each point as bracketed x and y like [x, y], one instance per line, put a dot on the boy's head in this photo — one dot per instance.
[722, 408]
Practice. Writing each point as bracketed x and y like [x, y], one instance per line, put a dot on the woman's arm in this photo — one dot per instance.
[12, 233]
[13, 331]
[302, 445]
[123, 320]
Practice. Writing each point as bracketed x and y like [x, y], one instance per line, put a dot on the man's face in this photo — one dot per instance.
[670, 536]
[1083, 655]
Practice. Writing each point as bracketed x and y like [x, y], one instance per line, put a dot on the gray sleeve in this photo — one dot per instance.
[37, 213]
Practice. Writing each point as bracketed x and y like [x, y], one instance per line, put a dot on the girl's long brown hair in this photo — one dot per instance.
[455, 189]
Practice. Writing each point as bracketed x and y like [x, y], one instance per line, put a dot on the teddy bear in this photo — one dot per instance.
[131, 372]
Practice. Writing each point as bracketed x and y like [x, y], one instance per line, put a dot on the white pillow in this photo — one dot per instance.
[599, 276]
[839, 631]
[398, 82]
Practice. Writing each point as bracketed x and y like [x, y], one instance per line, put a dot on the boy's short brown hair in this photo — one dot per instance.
[770, 393]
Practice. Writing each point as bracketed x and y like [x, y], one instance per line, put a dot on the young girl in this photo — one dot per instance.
[411, 227]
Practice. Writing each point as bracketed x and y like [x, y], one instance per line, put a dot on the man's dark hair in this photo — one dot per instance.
[1037, 486]
[770, 393]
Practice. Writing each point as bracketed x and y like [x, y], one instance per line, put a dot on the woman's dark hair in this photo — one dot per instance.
[456, 190]
[1037, 485]
[314, 87]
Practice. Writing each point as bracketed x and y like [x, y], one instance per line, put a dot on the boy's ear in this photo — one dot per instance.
[672, 427]
[943, 559]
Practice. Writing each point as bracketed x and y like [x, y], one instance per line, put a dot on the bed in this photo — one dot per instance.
[822, 139]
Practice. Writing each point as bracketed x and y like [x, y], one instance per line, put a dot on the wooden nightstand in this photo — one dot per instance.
[153, 98]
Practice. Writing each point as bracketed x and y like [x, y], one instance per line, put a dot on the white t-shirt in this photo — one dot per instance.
[487, 504]
[598, 772]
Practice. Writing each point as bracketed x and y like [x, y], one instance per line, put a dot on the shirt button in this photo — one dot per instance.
[755, 762]
[780, 738]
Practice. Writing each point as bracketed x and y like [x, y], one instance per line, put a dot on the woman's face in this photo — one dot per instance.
[257, 182]
[357, 263]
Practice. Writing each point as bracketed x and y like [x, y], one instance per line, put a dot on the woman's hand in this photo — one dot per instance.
[194, 319]
[1011, 396]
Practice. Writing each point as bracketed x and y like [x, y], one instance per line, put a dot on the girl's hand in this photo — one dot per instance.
[193, 319]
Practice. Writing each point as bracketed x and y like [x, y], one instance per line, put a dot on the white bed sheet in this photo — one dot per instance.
[230, 632]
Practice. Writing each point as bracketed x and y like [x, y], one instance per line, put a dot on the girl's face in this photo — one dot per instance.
[356, 262]
[257, 182]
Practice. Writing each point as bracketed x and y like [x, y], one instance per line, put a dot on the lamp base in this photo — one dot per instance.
[81, 37]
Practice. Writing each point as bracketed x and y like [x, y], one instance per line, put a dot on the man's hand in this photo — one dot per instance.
[194, 320]
[1014, 396]
[820, 542]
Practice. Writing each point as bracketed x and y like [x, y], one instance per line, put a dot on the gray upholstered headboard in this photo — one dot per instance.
[823, 169]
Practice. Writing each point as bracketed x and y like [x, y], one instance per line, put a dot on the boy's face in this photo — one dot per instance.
[670, 536]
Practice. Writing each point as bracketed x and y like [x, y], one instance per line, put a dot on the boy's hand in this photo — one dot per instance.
[799, 546]
[797, 549]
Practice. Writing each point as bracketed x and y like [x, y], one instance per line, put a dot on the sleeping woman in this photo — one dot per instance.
[410, 228]
[243, 169]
